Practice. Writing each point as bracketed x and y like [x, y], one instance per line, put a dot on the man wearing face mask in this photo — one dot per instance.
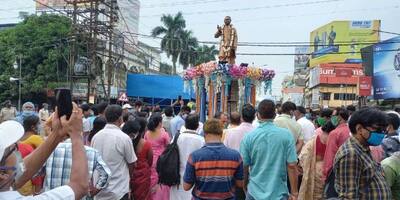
[285, 120]
[336, 138]
[357, 175]
[28, 109]
[178, 121]
[14, 171]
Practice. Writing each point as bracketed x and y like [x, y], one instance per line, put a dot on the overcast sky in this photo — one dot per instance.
[255, 21]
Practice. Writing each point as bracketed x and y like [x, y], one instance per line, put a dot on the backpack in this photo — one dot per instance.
[168, 164]
[329, 188]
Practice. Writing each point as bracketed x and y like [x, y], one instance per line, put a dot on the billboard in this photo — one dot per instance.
[341, 41]
[301, 58]
[386, 79]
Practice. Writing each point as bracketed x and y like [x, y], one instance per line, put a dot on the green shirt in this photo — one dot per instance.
[267, 150]
[391, 167]
[285, 121]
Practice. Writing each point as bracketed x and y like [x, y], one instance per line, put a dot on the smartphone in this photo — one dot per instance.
[64, 102]
[179, 97]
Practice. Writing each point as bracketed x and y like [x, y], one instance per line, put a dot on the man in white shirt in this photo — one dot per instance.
[196, 141]
[306, 125]
[235, 135]
[118, 153]
[15, 172]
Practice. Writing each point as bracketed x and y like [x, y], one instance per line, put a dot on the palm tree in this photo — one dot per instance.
[188, 50]
[206, 53]
[171, 30]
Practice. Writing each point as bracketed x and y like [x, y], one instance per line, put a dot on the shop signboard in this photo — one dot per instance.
[364, 86]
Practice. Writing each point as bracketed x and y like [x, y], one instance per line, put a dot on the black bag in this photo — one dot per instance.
[168, 164]
[329, 188]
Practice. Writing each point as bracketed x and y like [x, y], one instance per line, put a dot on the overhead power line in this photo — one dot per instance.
[133, 40]
[253, 8]
[276, 44]
[182, 3]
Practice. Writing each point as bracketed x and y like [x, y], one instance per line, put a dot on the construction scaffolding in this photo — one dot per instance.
[93, 22]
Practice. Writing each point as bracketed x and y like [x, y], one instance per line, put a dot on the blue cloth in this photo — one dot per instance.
[157, 86]
[213, 170]
[391, 144]
[91, 120]
[176, 124]
[21, 116]
[267, 150]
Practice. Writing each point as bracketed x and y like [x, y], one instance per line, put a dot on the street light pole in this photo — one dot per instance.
[19, 84]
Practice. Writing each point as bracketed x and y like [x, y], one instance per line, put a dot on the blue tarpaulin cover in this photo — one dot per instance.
[156, 86]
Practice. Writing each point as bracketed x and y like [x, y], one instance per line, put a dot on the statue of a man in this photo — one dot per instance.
[228, 45]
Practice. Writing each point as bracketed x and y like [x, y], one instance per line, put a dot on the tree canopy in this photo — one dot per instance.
[41, 44]
[180, 44]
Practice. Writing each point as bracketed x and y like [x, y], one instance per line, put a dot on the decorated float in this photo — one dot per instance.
[222, 87]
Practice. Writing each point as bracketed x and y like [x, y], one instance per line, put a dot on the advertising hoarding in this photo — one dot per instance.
[301, 58]
[386, 79]
[341, 41]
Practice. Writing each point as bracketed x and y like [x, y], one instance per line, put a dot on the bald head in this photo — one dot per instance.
[235, 118]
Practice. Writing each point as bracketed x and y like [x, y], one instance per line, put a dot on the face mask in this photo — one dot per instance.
[335, 120]
[308, 116]
[375, 138]
[29, 112]
[321, 121]
[184, 116]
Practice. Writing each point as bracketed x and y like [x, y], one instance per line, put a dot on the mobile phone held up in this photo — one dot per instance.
[64, 102]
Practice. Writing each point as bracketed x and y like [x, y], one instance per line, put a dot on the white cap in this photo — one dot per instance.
[127, 106]
[10, 132]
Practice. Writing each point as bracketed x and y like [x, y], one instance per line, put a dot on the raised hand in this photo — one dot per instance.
[74, 124]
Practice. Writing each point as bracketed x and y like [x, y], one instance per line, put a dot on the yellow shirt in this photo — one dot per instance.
[34, 140]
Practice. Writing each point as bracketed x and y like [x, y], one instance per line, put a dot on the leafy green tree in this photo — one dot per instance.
[42, 44]
[165, 68]
[188, 50]
[205, 53]
[171, 32]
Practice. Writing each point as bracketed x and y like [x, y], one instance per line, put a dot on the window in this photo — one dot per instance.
[344, 96]
[326, 96]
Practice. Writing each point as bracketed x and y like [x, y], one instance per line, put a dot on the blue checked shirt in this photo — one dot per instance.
[59, 164]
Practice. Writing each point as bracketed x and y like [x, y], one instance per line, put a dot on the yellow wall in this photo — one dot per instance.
[332, 103]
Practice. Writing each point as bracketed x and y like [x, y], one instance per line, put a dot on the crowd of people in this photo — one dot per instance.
[111, 152]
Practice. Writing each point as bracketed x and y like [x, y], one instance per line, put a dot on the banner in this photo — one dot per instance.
[386, 79]
[364, 86]
[339, 41]
[301, 58]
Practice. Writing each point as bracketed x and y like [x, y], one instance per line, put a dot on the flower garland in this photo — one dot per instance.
[216, 72]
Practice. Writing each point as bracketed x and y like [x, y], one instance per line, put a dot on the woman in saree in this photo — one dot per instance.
[140, 178]
[311, 161]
